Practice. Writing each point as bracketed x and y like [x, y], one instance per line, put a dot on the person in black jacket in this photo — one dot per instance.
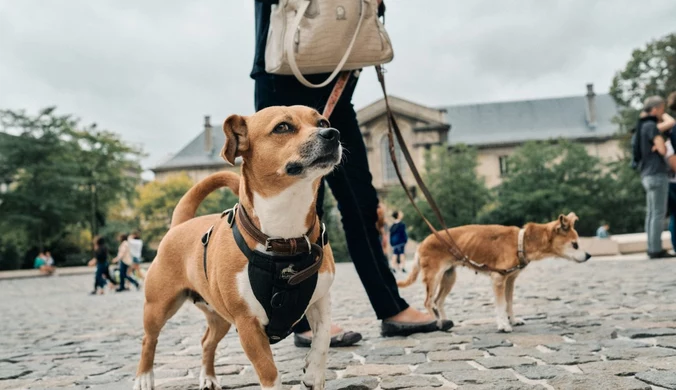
[654, 173]
[351, 186]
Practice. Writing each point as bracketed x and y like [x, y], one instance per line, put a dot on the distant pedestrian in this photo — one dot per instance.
[654, 173]
[135, 249]
[100, 260]
[40, 263]
[398, 240]
[603, 231]
[124, 258]
[49, 259]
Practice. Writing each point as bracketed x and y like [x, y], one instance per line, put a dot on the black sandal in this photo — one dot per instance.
[344, 339]
[394, 328]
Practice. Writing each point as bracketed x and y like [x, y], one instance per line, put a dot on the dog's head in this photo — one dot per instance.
[565, 239]
[286, 144]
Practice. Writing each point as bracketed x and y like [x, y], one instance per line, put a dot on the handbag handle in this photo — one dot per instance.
[292, 56]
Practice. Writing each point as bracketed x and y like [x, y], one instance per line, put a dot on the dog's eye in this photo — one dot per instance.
[575, 246]
[282, 128]
[323, 123]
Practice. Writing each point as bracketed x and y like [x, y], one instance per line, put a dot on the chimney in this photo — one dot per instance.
[208, 137]
[591, 106]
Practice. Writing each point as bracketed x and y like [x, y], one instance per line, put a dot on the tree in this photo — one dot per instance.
[334, 226]
[49, 160]
[650, 71]
[452, 181]
[157, 200]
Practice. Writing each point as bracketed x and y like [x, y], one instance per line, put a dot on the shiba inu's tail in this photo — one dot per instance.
[187, 206]
[414, 272]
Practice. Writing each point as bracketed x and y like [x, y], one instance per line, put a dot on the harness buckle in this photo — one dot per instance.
[268, 244]
[230, 220]
[207, 236]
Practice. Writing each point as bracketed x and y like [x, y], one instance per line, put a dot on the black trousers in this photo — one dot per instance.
[350, 184]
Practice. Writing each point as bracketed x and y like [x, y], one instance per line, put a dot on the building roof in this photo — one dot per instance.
[194, 154]
[488, 124]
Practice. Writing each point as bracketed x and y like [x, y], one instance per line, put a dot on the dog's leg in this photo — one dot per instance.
[257, 349]
[447, 282]
[509, 292]
[319, 317]
[155, 315]
[432, 279]
[217, 329]
[499, 284]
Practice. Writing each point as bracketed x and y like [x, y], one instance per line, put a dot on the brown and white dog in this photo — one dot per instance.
[285, 153]
[498, 247]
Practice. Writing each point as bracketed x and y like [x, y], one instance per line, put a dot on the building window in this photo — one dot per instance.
[504, 168]
[389, 174]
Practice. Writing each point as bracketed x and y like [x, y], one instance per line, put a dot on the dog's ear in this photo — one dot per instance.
[236, 138]
[563, 223]
[572, 218]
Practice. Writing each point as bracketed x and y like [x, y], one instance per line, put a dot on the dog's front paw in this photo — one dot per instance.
[315, 386]
[208, 382]
[145, 381]
[314, 378]
[516, 321]
[504, 326]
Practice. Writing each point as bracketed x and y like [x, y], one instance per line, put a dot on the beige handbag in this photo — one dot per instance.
[325, 36]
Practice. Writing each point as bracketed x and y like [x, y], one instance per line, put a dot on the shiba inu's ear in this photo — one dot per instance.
[563, 223]
[236, 139]
[572, 218]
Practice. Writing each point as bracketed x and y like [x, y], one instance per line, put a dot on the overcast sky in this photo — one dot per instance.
[151, 69]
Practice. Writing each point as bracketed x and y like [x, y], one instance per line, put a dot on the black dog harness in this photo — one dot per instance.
[284, 279]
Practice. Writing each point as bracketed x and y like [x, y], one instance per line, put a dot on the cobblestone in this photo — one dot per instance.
[600, 325]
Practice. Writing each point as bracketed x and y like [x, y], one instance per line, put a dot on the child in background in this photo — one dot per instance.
[398, 239]
[135, 249]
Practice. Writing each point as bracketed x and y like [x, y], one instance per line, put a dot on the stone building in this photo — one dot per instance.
[495, 129]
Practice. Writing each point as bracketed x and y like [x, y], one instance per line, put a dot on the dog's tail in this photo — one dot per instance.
[187, 206]
[414, 272]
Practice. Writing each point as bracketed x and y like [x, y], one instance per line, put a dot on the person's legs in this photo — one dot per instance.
[123, 272]
[661, 197]
[129, 277]
[656, 188]
[99, 281]
[351, 184]
[672, 217]
[648, 209]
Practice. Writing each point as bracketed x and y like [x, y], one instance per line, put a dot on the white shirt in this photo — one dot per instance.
[135, 246]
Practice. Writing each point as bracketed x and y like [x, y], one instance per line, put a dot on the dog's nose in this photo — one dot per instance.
[587, 256]
[330, 134]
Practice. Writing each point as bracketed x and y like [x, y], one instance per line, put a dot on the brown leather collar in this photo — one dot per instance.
[280, 246]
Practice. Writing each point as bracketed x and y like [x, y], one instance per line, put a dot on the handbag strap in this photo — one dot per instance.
[292, 55]
[336, 92]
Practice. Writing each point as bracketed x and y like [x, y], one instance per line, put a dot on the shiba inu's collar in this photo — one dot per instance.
[521, 252]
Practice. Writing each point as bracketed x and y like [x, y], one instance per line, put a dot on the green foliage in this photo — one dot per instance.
[64, 177]
[452, 181]
[548, 179]
[334, 227]
[157, 200]
[650, 71]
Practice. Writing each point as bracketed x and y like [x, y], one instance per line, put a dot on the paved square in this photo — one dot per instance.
[599, 325]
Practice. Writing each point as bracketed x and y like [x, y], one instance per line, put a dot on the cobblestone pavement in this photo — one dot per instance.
[599, 325]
